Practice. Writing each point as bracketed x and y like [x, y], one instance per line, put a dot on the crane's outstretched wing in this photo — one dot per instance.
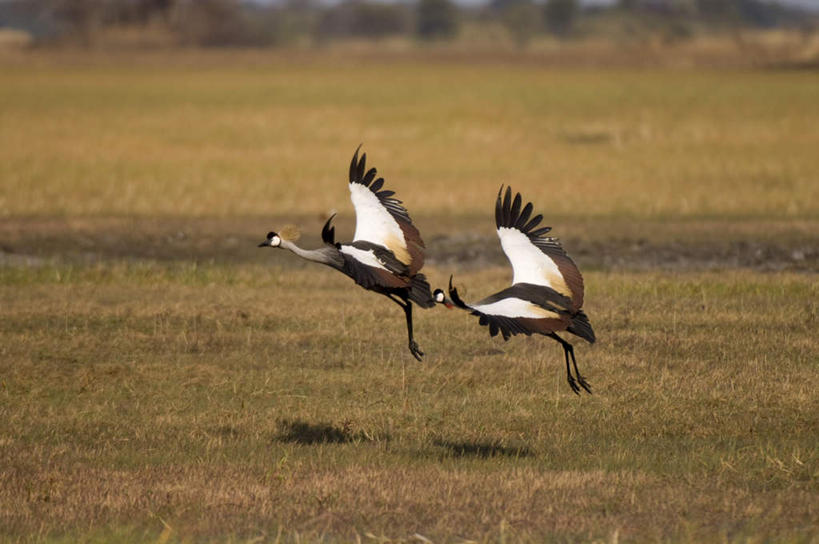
[535, 258]
[381, 219]
[519, 309]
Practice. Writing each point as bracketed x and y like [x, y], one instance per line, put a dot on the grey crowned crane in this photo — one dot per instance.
[386, 252]
[546, 295]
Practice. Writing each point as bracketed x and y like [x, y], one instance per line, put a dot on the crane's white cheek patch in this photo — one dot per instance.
[515, 307]
[363, 256]
[529, 263]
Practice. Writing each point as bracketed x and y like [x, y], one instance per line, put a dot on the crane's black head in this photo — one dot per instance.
[440, 298]
[273, 240]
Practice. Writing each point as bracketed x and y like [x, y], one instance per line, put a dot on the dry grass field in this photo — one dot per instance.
[256, 135]
[162, 379]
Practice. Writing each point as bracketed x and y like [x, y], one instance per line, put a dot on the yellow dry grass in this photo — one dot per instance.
[135, 396]
[201, 136]
[158, 382]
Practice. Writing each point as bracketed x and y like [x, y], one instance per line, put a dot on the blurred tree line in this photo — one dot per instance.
[248, 23]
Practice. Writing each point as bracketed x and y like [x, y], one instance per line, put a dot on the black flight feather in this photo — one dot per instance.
[362, 164]
[508, 214]
[369, 176]
[513, 214]
[507, 205]
[532, 224]
[354, 165]
[498, 212]
[358, 175]
[539, 232]
[524, 216]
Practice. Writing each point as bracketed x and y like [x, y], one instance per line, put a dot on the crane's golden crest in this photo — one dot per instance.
[290, 233]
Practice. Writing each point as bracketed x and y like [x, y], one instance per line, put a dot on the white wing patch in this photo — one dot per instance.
[514, 307]
[364, 256]
[374, 223]
[529, 263]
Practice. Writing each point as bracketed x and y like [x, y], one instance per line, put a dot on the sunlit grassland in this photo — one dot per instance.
[193, 399]
[202, 136]
[162, 378]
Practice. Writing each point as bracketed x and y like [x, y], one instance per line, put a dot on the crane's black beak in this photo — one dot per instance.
[266, 243]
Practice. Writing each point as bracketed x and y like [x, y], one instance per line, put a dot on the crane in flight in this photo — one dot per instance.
[386, 253]
[546, 295]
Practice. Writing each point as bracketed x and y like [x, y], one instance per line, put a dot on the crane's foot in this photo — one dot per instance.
[573, 384]
[415, 350]
[584, 384]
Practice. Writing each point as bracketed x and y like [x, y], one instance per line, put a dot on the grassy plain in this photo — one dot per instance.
[163, 379]
[266, 135]
[139, 397]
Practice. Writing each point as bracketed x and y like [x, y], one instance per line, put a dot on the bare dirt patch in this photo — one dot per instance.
[459, 243]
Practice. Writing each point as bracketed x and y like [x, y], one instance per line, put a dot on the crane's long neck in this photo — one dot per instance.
[325, 255]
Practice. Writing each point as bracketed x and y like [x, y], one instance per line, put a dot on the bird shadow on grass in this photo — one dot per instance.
[483, 449]
[302, 432]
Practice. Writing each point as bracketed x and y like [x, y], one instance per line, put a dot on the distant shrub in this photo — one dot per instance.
[437, 19]
[560, 15]
[358, 18]
[211, 23]
[676, 31]
[221, 23]
[521, 18]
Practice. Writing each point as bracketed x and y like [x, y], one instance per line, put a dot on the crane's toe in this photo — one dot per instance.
[584, 384]
[415, 350]
[573, 385]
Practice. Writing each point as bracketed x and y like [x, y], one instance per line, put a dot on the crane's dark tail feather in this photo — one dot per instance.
[420, 292]
[581, 327]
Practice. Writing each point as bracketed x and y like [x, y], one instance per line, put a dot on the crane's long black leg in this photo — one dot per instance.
[569, 377]
[569, 350]
[407, 306]
[583, 383]
[413, 347]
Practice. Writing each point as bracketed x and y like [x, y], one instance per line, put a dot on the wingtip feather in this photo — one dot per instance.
[507, 205]
[362, 166]
[498, 209]
[524, 216]
[354, 164]
[513, 213]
